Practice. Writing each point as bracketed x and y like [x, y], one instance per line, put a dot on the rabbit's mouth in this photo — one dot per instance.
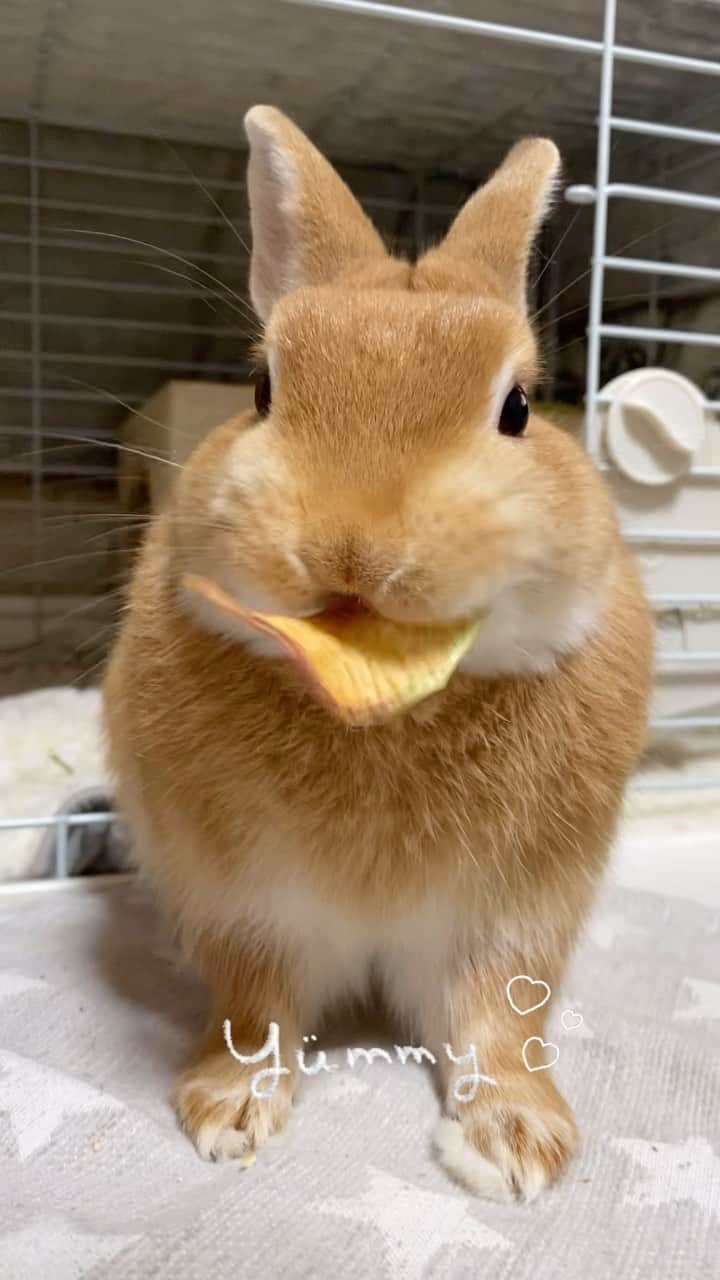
[362, 667]
[345, 606]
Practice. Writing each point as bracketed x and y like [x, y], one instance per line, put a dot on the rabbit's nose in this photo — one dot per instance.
[349, 568]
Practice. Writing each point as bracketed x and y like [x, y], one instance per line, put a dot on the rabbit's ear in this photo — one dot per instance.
[306, 225]
[495, 229]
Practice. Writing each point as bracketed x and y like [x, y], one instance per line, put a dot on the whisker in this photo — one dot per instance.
[100, 444]
[137, 518]
[53, 627]
[614, 253]
[137, 413]
[103, 391]
[83, 675]
[59, 520]
[582, 337]
[243, 310]
[557, 248]
[618, 297]
[218, 207]
[219, 528]
[203, 290]
[46, 564]
[144, 244]
[118, 445]
[90, 642]
[87, 555]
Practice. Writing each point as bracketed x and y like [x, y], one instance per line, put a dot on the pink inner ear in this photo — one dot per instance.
[273, 195]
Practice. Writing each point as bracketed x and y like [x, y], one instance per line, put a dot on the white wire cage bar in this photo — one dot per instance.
[657, 195]
[609, 53]
[670, 132]
[598, 330]
[644, 334]
[62, 825]
[518, 35]
[648, 266]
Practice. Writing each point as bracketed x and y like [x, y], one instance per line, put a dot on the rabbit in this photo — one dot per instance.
[393, 460]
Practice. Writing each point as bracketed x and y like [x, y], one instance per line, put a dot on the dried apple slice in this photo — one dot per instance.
[364, 668]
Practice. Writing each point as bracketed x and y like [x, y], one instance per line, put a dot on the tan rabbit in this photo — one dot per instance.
[437, 855]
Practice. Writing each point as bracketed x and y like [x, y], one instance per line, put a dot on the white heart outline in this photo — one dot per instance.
[535, 982]
[572, 1014]
[546, 1044]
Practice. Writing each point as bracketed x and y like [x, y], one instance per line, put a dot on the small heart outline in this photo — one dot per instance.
[574, 1020]
[545, 1044]
[534, 982]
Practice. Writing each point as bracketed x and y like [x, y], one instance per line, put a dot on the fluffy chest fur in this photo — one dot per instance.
[493, 789]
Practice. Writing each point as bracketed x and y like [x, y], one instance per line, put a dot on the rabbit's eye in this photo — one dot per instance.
[263, 393]
[515, 413]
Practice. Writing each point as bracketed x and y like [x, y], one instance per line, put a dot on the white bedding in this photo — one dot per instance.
[50, 747]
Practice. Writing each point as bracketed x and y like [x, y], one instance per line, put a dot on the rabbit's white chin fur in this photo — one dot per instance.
[526, 631]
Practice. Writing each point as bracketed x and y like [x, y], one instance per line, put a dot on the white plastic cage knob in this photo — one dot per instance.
[655, 424]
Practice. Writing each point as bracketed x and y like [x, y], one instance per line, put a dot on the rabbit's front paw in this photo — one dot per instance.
[219, 1112]
[509, 1148]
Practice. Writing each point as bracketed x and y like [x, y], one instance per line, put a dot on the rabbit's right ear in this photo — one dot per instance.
[307, 227]
[495, 229]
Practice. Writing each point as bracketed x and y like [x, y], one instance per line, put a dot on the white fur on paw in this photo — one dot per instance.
[223, 1144]
[534, 1180]
[519, 1151]
[226, 1123]
[467, 1165]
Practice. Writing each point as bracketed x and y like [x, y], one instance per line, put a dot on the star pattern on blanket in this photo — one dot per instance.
[674, 1171]
[52, 1246]
[415, 1224]
[37, 1099]
[698, 998]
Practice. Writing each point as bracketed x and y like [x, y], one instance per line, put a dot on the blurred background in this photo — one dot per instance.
[125, 325]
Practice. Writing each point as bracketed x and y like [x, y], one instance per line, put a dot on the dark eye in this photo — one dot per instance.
[515, 413]
[263, 392]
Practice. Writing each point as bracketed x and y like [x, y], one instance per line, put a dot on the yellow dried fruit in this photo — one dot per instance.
[363, 667]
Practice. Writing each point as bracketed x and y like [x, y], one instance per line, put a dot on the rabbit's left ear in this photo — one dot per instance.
[495, 230]
[307, 227]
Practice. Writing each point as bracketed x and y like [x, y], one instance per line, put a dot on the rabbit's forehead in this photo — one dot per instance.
[324, 332]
